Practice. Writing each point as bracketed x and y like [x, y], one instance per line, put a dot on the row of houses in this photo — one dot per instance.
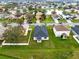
[40, 32]
[18, 11]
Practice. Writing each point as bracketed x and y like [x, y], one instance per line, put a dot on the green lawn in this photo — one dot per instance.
[75, 20]
[3, 20]
[54, 48]
[3, 56]
[62, 20]
[34, 20]
[8, 20]
[24, 53]
[48, 19]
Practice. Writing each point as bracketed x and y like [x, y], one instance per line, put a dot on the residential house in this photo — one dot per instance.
[40, 33]
[75, 30]
[59, 30]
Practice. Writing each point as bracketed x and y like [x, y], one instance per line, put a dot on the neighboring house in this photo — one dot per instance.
[2, 9]
[77, 16]
[55, 15]
[4, 15]
[1, 15]
[68, 10]
[76, 30]
[67, 16]
[40, 33]
[59, 30]
[12, 11]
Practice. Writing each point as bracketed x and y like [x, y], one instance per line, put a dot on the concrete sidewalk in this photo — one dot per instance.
[69, 21]
[55, 20]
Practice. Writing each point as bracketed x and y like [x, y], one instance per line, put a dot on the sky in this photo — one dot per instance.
[37, 0]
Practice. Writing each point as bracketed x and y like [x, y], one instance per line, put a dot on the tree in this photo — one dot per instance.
[44, 16]
[30, 8]
[13, 34]
[29, 17]
[20, 20]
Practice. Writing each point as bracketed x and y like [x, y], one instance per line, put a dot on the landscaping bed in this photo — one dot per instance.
[22, 39]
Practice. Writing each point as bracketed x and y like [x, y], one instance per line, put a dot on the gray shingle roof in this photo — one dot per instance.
[40, 31]
[76, 29]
